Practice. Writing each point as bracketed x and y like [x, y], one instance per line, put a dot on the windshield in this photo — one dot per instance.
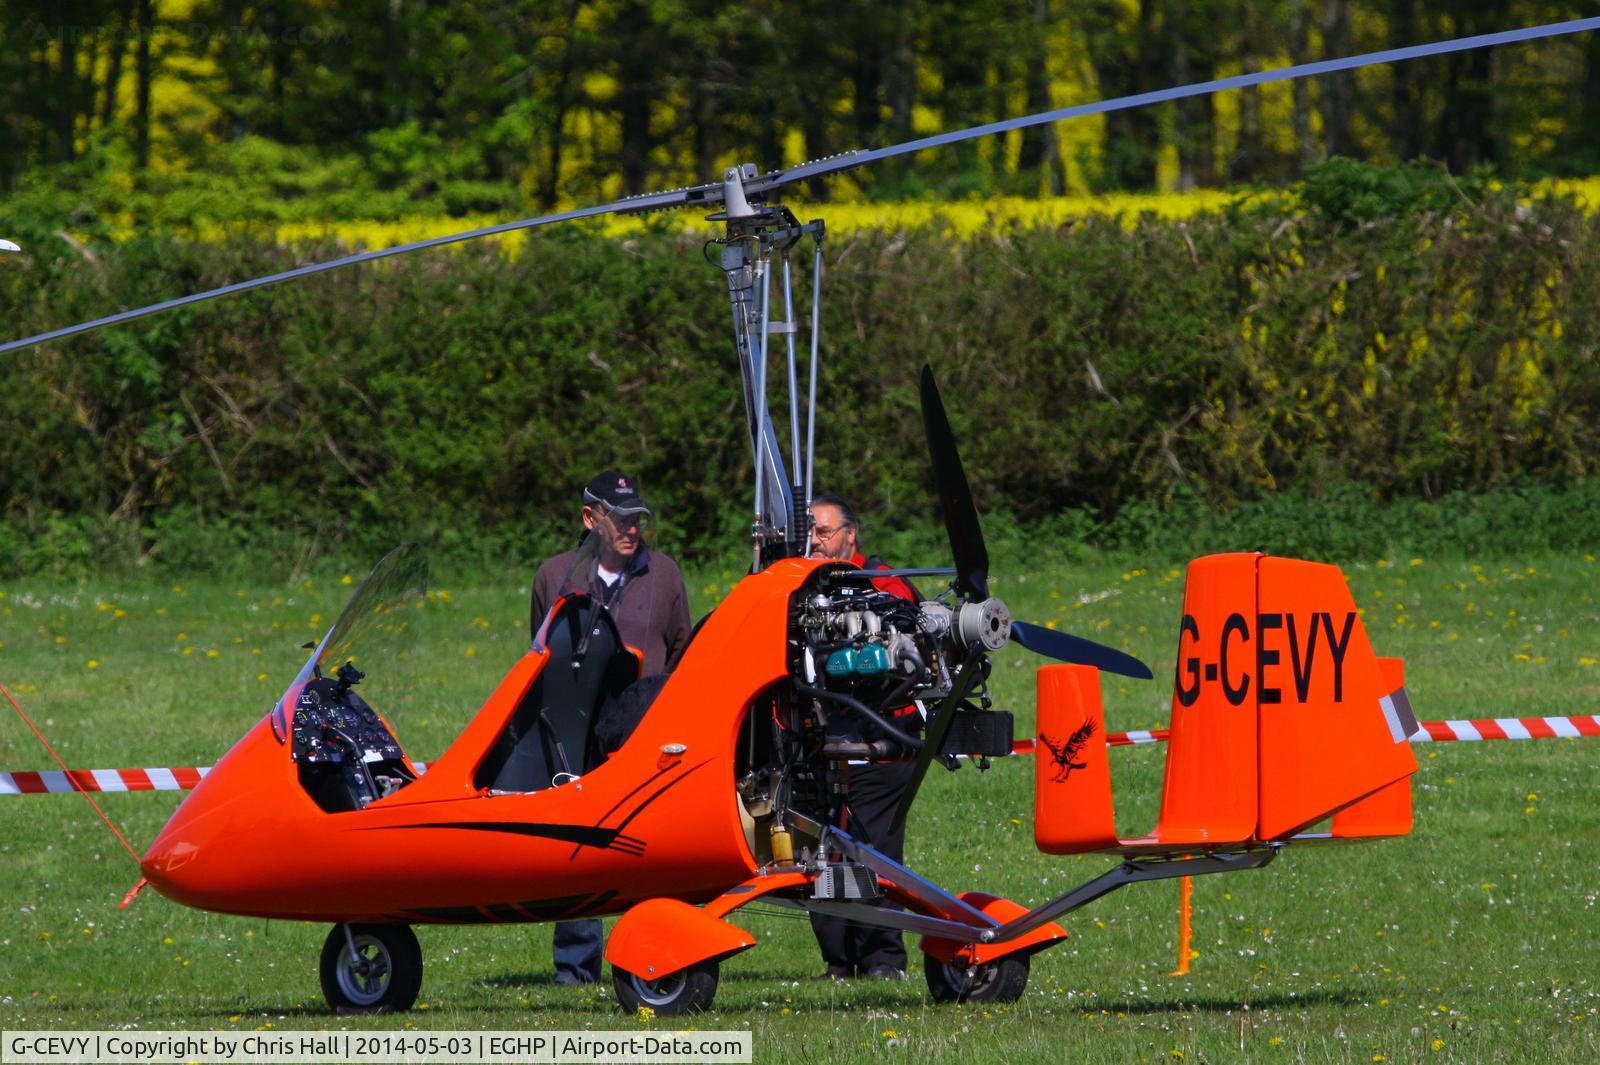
[376, 633]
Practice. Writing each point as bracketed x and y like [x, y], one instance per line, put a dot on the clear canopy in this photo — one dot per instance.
[376, 634]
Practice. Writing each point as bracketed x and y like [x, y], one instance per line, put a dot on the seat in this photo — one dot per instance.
[549, 739]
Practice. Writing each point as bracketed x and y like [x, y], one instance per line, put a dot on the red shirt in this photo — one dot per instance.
[894, 586]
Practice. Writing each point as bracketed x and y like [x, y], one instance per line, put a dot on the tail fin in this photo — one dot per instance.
[1209, 794]
[1330, 734]
[1281, 716]
[1072, 776]
[1387, 811]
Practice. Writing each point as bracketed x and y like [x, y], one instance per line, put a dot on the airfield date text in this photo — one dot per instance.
[418, 1044]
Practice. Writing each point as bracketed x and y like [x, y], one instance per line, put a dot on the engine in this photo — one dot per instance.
[871, 663]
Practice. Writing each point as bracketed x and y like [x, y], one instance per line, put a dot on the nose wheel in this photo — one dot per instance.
[371, 968]
[685, 991]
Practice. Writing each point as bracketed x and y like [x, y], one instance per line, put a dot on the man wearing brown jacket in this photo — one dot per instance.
[644, 592]
[641, 588]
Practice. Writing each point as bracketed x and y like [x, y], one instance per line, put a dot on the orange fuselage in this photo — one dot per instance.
[644, 824]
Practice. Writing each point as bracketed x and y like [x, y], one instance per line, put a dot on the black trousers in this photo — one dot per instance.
[873, 793]
[577, 948]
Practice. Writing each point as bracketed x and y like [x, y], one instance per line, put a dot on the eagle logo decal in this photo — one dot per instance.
[1066, 754]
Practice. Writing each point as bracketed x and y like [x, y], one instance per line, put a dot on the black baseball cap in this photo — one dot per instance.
[617, 492]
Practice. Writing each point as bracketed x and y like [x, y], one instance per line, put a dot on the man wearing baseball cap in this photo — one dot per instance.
[642, 588]
[644, 593]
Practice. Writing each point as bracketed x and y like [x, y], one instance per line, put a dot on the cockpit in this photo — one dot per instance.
[579, 708]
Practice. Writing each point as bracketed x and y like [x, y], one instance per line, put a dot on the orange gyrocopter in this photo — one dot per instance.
[582, 789]
[555, 801]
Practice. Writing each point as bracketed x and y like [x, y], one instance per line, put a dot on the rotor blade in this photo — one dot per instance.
[698, 195]
[1065, 647]
[851, 160]
[756, 187]
[933, 737]
[955, 496]
[865, 575]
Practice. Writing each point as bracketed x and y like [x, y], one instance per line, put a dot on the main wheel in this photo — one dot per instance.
[685, 991]
[384, 974]
[1001, 980]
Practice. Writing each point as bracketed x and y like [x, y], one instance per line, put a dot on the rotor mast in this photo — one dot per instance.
[755, 256]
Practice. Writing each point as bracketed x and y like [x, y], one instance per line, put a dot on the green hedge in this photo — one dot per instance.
[1281, 359]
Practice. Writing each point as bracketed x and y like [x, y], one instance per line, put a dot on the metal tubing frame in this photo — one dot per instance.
[745, 265]
[794, 381]
[782, 495]
[758, 530]
[864, 913]
[811, 399]
[985, 929]
[1131, 871]
[925, 891]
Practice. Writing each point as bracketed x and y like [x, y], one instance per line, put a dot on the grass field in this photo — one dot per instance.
[1473, 940]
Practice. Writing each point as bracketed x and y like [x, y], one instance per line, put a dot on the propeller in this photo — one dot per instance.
[972, 583]
[955, 496]
[972, 574]
[1065, 647]
[972, 557]
[742, 186]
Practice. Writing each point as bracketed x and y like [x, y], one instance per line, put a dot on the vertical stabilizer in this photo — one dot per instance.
[1209, 794]
[1386, 812]
[1071, 774]
[1330, 732]
[1282, 716]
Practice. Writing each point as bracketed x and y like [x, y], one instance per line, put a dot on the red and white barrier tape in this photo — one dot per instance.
[1478, 728]
[1507, 728]
[1114, 739]
[26, 782]
[54, 780]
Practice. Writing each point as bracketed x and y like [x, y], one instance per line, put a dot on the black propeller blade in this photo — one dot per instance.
[955, 496]
[1065, 647]
[972, 574]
